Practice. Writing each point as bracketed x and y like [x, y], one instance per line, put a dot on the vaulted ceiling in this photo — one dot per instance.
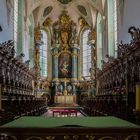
[87, 9]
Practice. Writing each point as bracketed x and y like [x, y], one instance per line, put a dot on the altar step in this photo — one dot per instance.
[62, 113]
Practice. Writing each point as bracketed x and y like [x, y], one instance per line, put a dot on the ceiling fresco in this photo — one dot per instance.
[42, 9]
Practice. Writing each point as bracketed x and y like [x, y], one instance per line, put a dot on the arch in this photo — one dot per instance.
[43, 58]
[49, 55]
[111, 19]
[15, 23]
[85, 53]
[99, 40]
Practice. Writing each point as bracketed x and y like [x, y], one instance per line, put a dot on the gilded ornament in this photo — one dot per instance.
[34, 137]
[90, 137]
[47, 22]
[75, 137]
[50, 138]
[66, 137]
[37, 34]
[107, 137]
[64, 19]
[82, 22]
[92, 35]
[134, 137]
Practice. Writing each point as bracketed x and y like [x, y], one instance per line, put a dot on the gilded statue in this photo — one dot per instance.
[92, 35]
[64, 37]
[82, 22]
[65, 30]
[47, 22]
[36, 57]
[37, 34]
[65, 20]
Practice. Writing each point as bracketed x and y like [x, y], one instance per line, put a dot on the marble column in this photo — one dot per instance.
[55, 68]
[75, 63]
[54, 51]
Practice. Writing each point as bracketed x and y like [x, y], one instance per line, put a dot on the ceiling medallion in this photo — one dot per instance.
[64, 1]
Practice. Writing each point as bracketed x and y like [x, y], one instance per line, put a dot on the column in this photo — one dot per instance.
[74, 89]
[37, 57]
[54, 53]
[55, 68]
[74, 64]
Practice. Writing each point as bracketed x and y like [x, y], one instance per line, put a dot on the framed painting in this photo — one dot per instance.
[65, 65]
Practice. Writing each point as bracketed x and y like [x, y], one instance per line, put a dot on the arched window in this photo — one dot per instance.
[86, 55]
[99, 41]
[116, 26]
[15, 22]
[112, 27]
[43, 54]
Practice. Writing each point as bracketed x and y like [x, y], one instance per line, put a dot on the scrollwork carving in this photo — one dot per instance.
[66, 137]
[132, 137]
[35, 138]
[90, 137]
[135, 33]
[107, 138]
[50, 137]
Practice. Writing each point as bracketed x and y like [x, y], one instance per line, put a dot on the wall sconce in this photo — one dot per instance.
[0, 28]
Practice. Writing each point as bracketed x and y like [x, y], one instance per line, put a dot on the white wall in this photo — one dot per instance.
[131, 17]
[7, 28]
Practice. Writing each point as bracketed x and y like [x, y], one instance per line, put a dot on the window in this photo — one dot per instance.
[15, 22]
[86, 55]
[43, 54]
[115, 27]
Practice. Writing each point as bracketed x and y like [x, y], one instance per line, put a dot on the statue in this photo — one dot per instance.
[73, 33]
[36, 57]
[27, 63]
[37, 34]
[56, 32]
[135, 33]
[65, 92]
[64, 37]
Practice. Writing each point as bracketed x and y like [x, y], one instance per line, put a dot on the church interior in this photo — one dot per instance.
[69, 70]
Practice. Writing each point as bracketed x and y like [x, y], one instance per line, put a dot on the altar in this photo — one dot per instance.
[65, 54]
[65, 99]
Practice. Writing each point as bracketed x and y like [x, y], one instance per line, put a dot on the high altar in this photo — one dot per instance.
[65, 52]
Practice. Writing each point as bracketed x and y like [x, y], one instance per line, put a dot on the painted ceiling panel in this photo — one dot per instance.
[53, 9]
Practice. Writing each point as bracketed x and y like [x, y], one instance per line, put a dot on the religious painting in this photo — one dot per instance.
[65, 66]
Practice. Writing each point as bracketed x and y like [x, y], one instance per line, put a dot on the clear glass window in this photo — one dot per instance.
[86, 55]
[43, 54]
